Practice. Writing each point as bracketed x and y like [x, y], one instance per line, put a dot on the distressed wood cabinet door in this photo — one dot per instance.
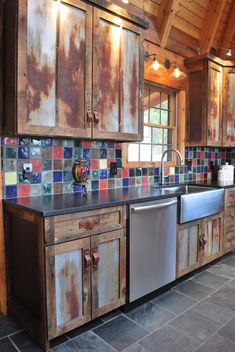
[68, 286]
[54, 70]
[211, 238]
[187, 255]
[117, 78]
[229, 107]
[108, 252]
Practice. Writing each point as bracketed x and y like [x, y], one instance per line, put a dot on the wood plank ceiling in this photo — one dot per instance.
[189, 26]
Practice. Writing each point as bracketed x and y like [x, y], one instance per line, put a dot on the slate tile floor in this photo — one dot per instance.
[197, 314]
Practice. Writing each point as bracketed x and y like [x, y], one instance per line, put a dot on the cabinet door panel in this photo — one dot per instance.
[68, 287]
[229, 108]
[41, 62]
[212, 237]
[109, 276]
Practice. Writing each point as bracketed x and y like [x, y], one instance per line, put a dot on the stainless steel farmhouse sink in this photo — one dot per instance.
[196, 202]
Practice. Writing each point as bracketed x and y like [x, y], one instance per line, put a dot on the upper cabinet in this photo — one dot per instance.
[229, 107]
[72, 70]
[204, 102]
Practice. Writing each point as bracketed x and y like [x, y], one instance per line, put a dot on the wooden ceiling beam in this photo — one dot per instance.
[167, 11]
[229, 30]
[212, 21]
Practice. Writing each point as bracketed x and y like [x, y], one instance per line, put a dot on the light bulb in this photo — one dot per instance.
[176, 72]
[156, 64]
[125, 1]
[229, 52]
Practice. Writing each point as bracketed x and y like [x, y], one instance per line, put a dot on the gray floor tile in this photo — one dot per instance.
[210, 279]
[227, 296]
[120, 332]
[194, 289]
[174, 301]
[150, 316]
[24, 342]
[195, 325]
[223, 269]
[136, 348]
[232, 283]
[8, 326]
[217, 343]
[228, 331]
[87, 342]
[213, 308]
[229, 260]
[167, 339]
[6, 346]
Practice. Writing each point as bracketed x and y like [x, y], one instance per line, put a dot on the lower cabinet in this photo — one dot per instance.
[198, 243]
[85, 278]
[229, 221]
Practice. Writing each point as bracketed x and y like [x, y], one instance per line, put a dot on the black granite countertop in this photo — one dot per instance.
[74, 202]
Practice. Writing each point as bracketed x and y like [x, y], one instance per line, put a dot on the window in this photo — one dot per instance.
[159, 128]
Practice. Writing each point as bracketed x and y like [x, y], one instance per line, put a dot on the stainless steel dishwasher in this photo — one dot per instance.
[152, 246]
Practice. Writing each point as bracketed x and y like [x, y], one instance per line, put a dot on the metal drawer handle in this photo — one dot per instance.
[89, 116]
[155, 206]
[96, 258]
[89, 224]
[87, 258]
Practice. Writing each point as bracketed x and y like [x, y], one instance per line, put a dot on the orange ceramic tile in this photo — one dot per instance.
[23, 190]
[57, 152]
[125, 172]
[103, 184]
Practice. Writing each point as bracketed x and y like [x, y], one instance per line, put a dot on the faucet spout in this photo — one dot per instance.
[162, 161]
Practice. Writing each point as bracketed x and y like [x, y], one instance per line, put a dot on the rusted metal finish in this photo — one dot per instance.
[71, 66]
[106, 99]
[130, 99]
[41, 61]
[68, 286]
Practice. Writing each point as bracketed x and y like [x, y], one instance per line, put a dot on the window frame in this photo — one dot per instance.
[173, 125]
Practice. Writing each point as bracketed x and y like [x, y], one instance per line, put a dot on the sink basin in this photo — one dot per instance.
[195, 202]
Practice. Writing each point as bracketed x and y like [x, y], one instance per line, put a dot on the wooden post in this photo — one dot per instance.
[181, 122]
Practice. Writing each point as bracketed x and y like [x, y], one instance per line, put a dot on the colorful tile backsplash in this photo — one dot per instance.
[52, 161]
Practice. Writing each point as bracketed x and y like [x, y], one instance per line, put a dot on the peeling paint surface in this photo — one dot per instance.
[71, 67]
[41, 61]
[68, 286]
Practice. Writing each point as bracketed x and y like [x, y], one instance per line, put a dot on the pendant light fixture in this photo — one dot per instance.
[177, 74]
[229, 52]
[125, 1]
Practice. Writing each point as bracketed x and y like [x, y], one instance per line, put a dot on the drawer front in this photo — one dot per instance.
[229, 241]
[67, 227]
[229, 196]
[229, 216]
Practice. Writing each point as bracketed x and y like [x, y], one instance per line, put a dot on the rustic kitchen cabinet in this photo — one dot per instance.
[198, 243]
[228, 106]
[229, 221]
[64, 270]
[204, 102]
[72, 69]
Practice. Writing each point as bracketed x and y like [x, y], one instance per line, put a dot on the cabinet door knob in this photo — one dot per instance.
[87, 258]
[96, 117]
[89, 116]
[96, 259]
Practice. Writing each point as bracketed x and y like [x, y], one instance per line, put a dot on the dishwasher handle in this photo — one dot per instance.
[155, 206]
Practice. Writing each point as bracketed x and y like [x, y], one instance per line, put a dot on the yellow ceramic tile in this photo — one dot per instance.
[172, 170]
[103, 163]
[10, 178]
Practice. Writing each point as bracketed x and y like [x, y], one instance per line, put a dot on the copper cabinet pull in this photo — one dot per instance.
[89, 224]
[96, 117]
[87, 258]
[202, 243]
[96, 258]
[89, 116]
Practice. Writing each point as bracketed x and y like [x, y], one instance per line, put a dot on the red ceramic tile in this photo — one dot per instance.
[10, 141]
[86, 144]
[201, 176]
[144, 180]
[125, 173]
[202, 155]
[94, 164]
[57, 152]
[103, 184]
[118, 145]
[167, 171]
[109, 162]
[37, 166]
[23, 190]
[194, 162]
[212, 155]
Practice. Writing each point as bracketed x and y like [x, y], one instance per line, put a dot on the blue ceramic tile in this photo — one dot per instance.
[125, 182]
[156, 171]
[10, 192]
[198, 169]
[46, 165]
[185, 169]
[46, 142]
[9, 152]
[144, 171]
[119, 163]
[35, 177]
[118, 153]
[177, 178]
[67, 176]
[24, 141]
[68, 153]
[103, 153]
[57, 176]
[103, 174]
[94, 185]
[87, 153]
[131, 172]
[23, 153]
[36, 142]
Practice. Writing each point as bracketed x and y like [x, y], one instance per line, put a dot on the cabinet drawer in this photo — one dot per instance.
[229, 216]
[71, 226]
[229, 196]
[229, 240]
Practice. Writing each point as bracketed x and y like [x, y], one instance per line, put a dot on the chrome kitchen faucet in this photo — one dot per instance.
[162, 162]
